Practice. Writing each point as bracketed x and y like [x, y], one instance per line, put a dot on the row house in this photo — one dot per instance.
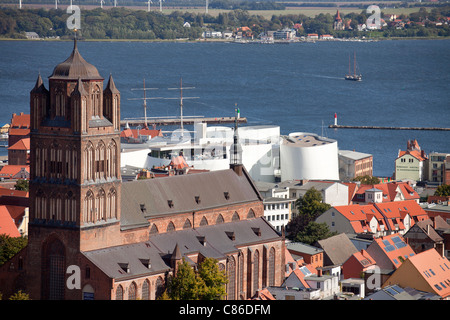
[377, 218]
[430, 234]
[385, 192]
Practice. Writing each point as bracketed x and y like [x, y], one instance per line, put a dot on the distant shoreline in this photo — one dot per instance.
[222, 40]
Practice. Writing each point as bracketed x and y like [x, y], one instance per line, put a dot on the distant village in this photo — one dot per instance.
[128, 222]
[297, 32]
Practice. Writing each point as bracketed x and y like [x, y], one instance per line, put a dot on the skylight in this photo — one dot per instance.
[305, 271]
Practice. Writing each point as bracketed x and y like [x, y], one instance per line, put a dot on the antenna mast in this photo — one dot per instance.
[145, 101]
[181, 101]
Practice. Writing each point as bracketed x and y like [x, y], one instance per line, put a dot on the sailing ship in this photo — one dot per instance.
[354, 76]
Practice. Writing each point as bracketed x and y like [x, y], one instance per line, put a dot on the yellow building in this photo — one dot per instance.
[426, 271]
[410, 163]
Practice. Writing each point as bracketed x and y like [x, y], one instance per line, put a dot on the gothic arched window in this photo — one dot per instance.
[187, 224]
[219, 219]
[55, 270]
[132, 291]
[255, 272]
[146, 290]
[170, 227]
[119, 293]
[231, 268]
[159, 289]
[272, 267]
[203, 222]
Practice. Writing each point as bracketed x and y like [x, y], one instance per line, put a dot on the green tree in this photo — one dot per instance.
[206, 284]
[10, 246]
[22, 185]
[313, 232]
[310, 206]
[367, 179]
[213, 279]
[443, 190]
[19, 295]
[185, 285]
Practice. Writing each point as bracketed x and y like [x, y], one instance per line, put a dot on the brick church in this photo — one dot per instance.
[92, 236]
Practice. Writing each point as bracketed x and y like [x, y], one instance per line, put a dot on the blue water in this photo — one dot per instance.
[297, 86]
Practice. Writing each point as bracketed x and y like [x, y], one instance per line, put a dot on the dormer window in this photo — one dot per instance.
[230, 235]
[170, 203]
[227, 195]
[146, 263]
[257, 231]
[197, 199]
[125, 267]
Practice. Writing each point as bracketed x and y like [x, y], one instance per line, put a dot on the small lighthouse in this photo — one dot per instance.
[335, 119]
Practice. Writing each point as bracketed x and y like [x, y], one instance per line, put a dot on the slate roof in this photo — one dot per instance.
[337, 249]
[160, 247]
[182, 190]
[75, 67]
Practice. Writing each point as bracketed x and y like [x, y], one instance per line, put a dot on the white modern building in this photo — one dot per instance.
[208, 148]
[308, 156]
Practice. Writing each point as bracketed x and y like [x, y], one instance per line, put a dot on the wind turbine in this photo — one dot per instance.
[56, 4]
[101, 3]
[160, 5]
[20, 4]
[149, 1]
[115, 3]
[206, 9]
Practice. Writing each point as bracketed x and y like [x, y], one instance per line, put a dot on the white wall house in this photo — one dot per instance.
[277, 211]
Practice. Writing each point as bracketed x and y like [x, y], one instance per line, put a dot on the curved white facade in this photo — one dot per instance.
[308, 156]
[260, 151]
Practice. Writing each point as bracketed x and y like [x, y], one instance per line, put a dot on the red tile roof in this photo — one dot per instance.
[11, 192]
[389, 214]
[390, 191]
[7, 225]
[415, 153]
[20, 120]
[395, 248]
[19, 132]
[9, 171]
[434, 269]
[135, 133]
[22, 144]
[364, 258]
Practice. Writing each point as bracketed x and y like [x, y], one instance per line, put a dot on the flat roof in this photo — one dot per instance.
[354, 155]
[304, 139]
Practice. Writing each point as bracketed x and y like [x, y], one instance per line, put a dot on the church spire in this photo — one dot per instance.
[236, 148]
[39, 86]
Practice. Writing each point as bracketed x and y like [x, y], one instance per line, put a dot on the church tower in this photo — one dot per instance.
[75, 172]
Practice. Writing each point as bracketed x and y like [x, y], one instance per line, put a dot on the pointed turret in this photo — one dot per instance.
[79, 89]
[175, 258]
[39, 99]
[39, 86]
[111, 86]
